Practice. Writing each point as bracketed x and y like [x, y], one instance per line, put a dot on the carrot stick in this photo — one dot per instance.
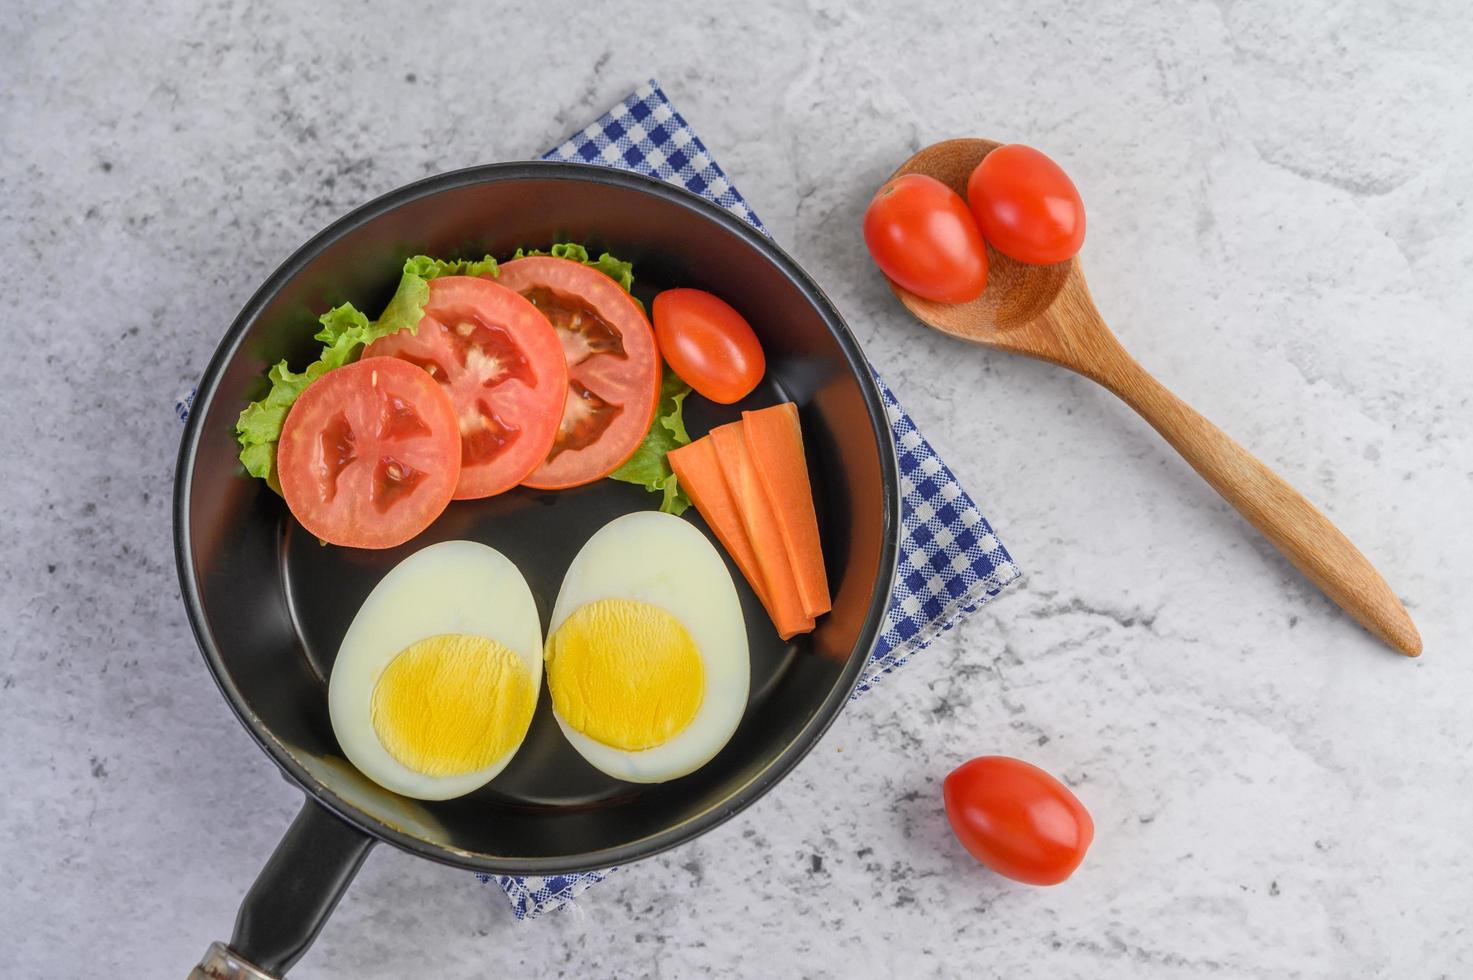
[701, 478]
[775, 444]
[742, 480]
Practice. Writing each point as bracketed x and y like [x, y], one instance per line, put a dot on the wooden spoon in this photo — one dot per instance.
[1045, 311]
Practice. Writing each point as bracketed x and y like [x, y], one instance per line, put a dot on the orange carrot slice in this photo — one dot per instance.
[751, 501]
[701, 478]
[775, 443]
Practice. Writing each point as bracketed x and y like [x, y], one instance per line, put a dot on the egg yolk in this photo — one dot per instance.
[452, 704]
[625, 673]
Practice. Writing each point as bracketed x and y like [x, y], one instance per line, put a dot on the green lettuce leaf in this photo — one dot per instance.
[408, 303]
[428, 268]
[616, 269]
[648, 467]
[344, 332]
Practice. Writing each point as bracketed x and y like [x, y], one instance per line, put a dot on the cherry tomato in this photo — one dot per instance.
[1017, 819]
[922, 237]
[370, 454]
[1027, 207]
[708, 344]
[501, 363]
[613, 367]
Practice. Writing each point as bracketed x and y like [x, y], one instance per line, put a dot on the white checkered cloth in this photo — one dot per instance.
[950, 562]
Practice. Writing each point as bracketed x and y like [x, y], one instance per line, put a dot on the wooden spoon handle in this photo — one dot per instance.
[1292, 524]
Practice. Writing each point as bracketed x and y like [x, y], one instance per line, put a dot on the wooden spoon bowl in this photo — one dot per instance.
[1017, 294]
[1046, 312]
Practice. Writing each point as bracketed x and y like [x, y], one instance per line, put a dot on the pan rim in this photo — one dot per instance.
[760, 782]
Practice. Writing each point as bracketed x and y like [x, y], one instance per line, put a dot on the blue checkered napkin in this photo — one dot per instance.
[950, 560]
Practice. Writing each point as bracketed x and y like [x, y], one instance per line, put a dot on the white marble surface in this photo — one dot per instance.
[1280, 227]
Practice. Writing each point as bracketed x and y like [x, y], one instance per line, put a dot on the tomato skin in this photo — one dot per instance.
[1027, 207]
[1017, 819]
[613, 367]
[923, 238]
[708, 344]
[509, 418]
[369, 454]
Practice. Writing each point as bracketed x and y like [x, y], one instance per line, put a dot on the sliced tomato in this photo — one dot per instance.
[613, 367]
[370, 454]
[502, 365]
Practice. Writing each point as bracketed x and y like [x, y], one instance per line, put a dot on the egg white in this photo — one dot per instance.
[450, 587]
[660, 559]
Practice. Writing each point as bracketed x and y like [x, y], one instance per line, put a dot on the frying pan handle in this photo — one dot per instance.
[291, 899]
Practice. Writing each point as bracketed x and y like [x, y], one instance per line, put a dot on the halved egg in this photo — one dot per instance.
[437, 678]
[646, 655]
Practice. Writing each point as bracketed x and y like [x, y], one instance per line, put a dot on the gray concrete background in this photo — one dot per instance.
[1279, 227]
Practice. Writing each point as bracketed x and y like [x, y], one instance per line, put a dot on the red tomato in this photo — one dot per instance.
[923, 238]
[500, 362]
[369, 454]
[613, 368]
[1017, 819]
[709, 344]
[1027, 207]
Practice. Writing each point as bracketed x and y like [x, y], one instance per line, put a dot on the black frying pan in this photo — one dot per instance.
[269, 605]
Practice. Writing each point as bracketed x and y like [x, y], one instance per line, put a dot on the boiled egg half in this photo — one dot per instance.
[437, 678]
[646, 655]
